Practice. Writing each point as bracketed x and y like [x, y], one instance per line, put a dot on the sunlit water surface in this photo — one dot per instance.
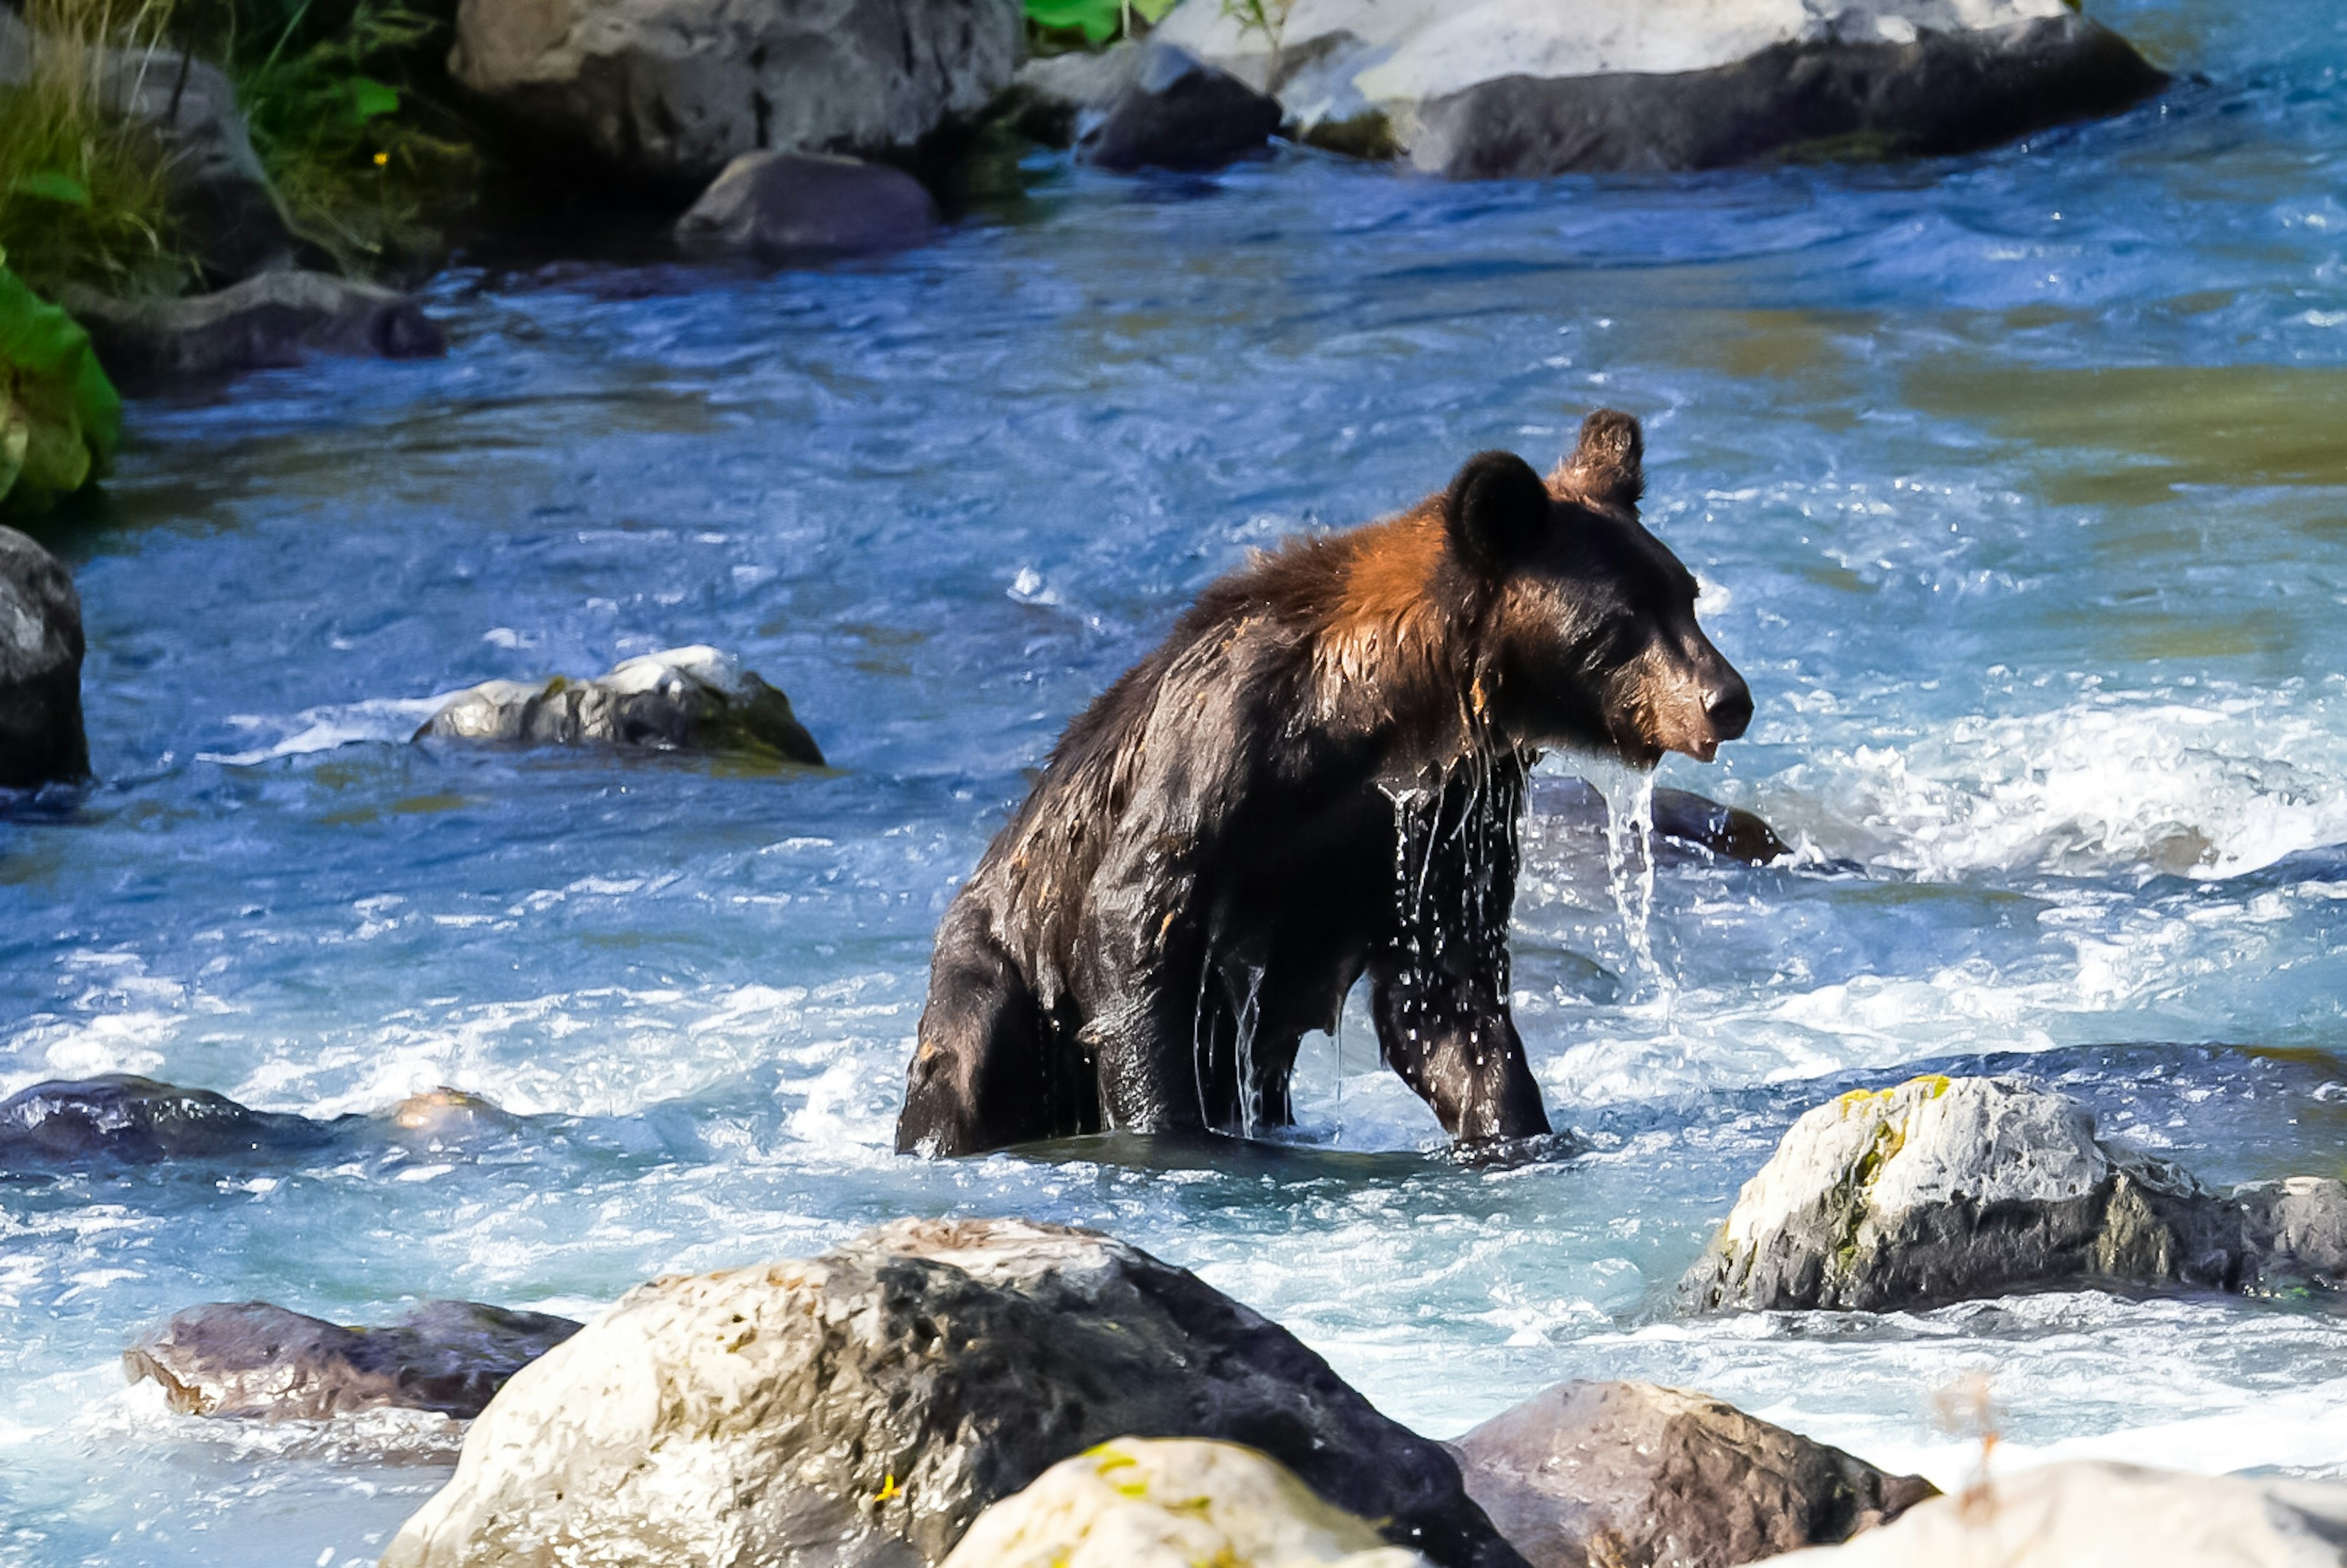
[2017, 487]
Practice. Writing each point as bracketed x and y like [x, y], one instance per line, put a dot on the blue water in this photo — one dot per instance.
[2018, 486]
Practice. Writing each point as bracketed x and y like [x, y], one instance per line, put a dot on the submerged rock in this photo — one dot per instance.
[864, 1407]
[1942, 1189]
[1176, 112]
[255, 1359]
[684, 699]
[1514, 89]
[276, 318]
[786, 205]
[1681, 817]
[122, 1116]
[2092, 1513]
[675, 89]
[41, 736]
[1170, 1502]
[1631, 1475]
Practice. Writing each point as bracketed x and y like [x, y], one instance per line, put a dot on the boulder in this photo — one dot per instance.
[864, 1407]
[2299, 1229]
[1630, 1475]
[1944, 1189]
[1178, 113]
[2093, 1514]
[783, 206]
[222, 204]
[1170, 1502]
[41, 734]
[684, 699]
[1523, 89]
[1057, 98]
[255, 1359]
[137, 1120]
[674, 91]
[1680, 816]
[275, 320]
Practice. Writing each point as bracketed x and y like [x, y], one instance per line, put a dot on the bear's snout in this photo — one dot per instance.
[1727, 703]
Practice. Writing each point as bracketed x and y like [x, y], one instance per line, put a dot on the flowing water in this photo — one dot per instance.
[2017, 488]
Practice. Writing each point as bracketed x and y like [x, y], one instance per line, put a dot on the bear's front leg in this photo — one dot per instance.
[1453, 1042]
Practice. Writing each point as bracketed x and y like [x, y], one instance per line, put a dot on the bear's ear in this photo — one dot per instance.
[1496, 507]
[1608, 466]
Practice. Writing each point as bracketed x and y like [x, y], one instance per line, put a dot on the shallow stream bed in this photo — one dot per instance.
[2019, 492]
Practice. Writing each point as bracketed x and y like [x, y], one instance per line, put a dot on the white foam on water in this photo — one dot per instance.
[2205, 783]
[378, 720]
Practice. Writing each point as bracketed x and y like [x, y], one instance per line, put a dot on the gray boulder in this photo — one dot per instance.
[1058, 99]
[2095, 1514]
[783, 206]
[1176, 112]
[137, 1120]
[1515, 88]
[273, 320]
[1172, 1502]
[682, 699]
[41, 735]
[1630, 1475]
[675, 89]
[255, 1359]
[1944, 1189]
[2299, 1229]
[864, 1407]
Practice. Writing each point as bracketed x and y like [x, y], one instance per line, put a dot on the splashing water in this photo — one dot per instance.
[1630, 858]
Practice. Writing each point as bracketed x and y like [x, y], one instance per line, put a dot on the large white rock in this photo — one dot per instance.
[1172, 1502]
[1941, 1189]
[1418, 66]
[860, 1410]
[692, 699]
[676, 89]
[2096, 1515]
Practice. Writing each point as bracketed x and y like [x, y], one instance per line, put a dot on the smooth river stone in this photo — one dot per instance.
[41, 735]
[255, 1359]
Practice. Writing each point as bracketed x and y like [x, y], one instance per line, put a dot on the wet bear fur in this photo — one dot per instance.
[1319, 774]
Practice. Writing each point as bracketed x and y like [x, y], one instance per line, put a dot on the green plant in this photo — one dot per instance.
[82, 196]
[1097, 20]
[1268, 17]
[366, 164]
[60, 419]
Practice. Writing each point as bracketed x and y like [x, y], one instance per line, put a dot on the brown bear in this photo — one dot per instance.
[1320, 772]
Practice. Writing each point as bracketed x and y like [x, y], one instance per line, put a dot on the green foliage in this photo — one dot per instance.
[60, 419]
[1097, 21]
[81, 191]
[367, 164]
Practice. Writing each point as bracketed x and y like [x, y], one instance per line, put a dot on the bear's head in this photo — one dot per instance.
[1589, 637]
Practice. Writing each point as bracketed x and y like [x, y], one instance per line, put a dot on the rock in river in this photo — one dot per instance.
[1179, 113]
[277, 319]
[1172, 1502]
[2092, 1514]
[137, 1120]
[255, 1359]
[684, 698]
[676, 89]
[1942, 1189]
[1524, 89]
[864, 1407]
[41, 735]
[1630, 1475]
[783, 206]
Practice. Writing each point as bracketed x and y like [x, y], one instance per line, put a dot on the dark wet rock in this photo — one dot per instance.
[255, 1359]
[676, 89]
[276, 318]
[2298, 1227]
[1681, 817]
[2091, 1511]
[785, 205]
[137, 1120]
[1630, 1475]
[863, 1406]
[1179, 113]
[41, 736]
[684, 699]
[1940, 93]
[1945, 1189]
